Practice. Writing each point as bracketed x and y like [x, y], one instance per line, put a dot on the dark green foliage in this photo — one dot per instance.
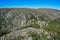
[31, 25]
[55, 21]
[54, 30]
[42, 18]
[4, 25]
[31, 17]
[34, 35]
[20, 37]
[4, 32]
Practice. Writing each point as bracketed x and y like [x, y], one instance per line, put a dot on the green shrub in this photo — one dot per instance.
[31, 25]
[53, 30]
[4, 32]
[20, 37]
[34, 35]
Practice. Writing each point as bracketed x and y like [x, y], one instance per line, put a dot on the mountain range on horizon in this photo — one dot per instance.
[29, 24]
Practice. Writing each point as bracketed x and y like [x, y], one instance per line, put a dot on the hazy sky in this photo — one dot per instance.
[30, 4]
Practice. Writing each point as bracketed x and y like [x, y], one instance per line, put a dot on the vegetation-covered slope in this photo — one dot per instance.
[29, 24]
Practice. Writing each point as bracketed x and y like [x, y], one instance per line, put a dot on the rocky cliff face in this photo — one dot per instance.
[25, 24]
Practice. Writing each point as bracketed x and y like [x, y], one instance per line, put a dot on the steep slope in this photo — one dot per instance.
[23, 20]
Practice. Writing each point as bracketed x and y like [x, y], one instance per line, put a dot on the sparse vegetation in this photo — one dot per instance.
[13, 20]
[31, 25]
[54, 30]
[20, 37]
[4, 32]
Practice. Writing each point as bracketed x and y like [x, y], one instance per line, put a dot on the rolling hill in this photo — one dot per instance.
[29, 24]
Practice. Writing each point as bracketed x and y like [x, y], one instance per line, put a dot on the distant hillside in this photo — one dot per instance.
[26, 23]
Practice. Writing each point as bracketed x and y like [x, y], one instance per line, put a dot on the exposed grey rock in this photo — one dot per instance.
[13, 19]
